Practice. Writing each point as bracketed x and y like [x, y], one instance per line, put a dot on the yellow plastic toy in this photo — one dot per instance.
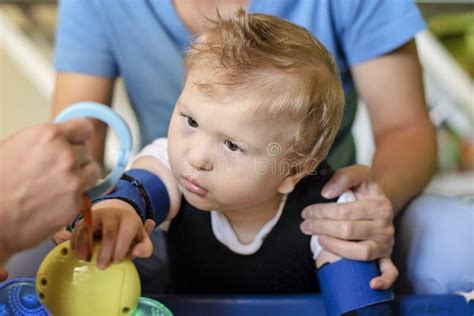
[68, 286]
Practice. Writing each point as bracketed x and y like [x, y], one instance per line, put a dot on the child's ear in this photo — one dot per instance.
[288, 184]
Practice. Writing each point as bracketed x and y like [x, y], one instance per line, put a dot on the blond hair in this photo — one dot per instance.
[291, 73]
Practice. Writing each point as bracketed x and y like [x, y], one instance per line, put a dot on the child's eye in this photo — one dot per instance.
[191, 122]
[231, 146]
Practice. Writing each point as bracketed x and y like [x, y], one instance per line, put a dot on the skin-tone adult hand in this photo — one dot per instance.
[359, 230]
[44, 171]
[3, 274]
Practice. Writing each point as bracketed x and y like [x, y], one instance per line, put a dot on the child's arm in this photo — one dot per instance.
[345, 284]
[154, 158]
[158, 168]
[148, 193]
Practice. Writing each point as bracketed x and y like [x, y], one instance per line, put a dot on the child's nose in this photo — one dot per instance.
[198, 158]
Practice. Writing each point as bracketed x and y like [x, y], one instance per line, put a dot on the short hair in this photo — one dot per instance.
[290, 74]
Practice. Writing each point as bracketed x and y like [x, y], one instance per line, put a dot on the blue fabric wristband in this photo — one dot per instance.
[345, 286]
[126, 191]
[156, 193]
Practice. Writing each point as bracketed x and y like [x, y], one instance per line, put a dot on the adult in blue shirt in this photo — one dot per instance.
[144, 43]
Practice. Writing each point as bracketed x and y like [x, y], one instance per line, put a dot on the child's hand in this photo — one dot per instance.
[149, 226]
[120, 229]
[61, 236]
[389, 274]
[388, 271]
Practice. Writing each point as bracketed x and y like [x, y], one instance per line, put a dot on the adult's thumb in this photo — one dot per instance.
[77, 131]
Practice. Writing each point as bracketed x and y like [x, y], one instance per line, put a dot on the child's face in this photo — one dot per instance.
[223, 156]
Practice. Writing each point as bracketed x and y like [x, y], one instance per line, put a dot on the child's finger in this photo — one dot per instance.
[143, 248]
[388, 277]
[61, 236]
[80, 237]
[110, 230]
[127, 234]
[79, 242]
[149, 226]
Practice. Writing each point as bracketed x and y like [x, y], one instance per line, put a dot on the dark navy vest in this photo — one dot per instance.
[200, 264]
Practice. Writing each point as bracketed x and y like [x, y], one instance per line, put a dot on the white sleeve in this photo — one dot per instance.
[157, 149]
[316, 248]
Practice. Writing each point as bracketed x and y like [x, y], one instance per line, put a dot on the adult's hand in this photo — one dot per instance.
[3, 274]
[359, 230]
[44, 171]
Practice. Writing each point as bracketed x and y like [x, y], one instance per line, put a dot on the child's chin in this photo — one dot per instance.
[202, 203]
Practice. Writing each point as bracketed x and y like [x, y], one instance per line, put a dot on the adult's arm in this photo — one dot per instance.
[405, 155]
[84, 61]
[404, 161]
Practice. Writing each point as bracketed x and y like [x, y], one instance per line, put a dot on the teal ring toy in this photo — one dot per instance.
[107, 115]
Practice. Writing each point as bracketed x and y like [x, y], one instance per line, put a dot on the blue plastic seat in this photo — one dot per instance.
[306, 304]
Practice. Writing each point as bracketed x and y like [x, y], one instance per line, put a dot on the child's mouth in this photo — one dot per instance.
[193, 187]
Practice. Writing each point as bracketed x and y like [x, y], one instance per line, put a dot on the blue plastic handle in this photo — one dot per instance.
[107, 115]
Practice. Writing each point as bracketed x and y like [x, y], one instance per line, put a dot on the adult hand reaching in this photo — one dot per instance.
[358, 230]
[44, 171]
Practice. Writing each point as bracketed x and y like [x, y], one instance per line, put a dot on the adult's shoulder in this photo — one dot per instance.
[369, 29]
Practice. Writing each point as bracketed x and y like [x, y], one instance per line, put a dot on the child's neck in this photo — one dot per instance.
[247, 222]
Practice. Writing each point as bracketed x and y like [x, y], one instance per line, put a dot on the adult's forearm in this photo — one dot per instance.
[404, 162]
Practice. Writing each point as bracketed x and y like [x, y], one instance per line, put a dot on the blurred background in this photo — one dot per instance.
[446, 51]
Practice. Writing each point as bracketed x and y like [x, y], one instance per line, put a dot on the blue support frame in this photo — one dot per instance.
[306, 304]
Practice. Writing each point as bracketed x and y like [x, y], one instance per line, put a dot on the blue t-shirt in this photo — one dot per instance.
[144, 42]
